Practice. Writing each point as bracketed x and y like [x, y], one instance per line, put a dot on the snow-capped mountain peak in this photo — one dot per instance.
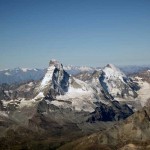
[111, 71]
[55, 79]
[55, 64]
[115, 82]
[59, 88]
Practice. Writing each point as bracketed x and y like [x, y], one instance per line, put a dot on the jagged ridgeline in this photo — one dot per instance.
[61, 107]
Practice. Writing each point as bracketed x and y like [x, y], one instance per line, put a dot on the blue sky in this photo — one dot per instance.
[77, 32]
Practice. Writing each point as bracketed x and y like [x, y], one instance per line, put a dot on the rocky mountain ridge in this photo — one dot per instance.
[131, 134]
[60, 102]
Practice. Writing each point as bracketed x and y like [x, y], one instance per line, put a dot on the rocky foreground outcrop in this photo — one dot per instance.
[130, 134]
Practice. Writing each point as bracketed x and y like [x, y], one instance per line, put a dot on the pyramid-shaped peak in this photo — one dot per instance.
[111, 70]
[112, 66]
[57, 64]
[48, 81]
[53, 62]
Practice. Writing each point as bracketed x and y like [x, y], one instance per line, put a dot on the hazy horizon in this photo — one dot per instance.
[67, 65]
[79, 33]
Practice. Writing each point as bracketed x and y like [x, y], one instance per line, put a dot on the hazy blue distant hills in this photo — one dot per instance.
[134, 69]
[20, 75]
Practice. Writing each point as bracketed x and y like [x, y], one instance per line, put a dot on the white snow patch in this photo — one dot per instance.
[48, 77]
[7, 74]
[80, 98]
[72, 93]
[85, 68]
[40, 96]
[30, 84]
[24, 69]
[83, 104]
[78, 69]
[68, 67]
[144, 92]
[5, 103]
[130, 106]
[111, 72]
[27, 89]
[7, 93]
[138, 78]
[26, 103]
[35, 69]
[95, 81]
[60, 104]
[20, 102]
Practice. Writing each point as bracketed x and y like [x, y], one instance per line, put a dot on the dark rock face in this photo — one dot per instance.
[60, 81]
[42, 107]
[132, 133]
[114, 112]
[104, 86]
[51, 94]
[3, 88]
[1, 106]
[133, 85]
[9, 92]
[59, 84]
[125, 88]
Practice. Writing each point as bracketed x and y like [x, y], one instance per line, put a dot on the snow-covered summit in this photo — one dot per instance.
[59, 88]
[48, 78]
[111, 71]
[56, 64]
[115, 82]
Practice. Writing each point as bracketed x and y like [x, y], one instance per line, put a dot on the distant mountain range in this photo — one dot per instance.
[22, 75]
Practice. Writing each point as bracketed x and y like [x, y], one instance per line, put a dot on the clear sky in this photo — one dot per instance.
[77, 32]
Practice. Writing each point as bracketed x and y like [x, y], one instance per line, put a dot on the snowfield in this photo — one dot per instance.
[144, 92]
[47, 78]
